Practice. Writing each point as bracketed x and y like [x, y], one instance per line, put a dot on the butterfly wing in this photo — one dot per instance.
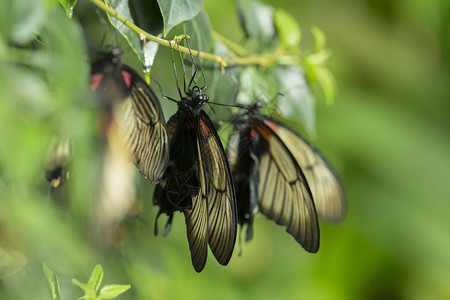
[221, 197]
[147, 136]
[125, 94]
[197, 219]
[325, 186]
[183, 187]
[283, 193]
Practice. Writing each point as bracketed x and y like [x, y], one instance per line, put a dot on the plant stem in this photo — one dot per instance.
[262, 60]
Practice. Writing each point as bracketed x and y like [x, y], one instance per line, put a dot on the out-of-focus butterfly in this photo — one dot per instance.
[280, 174]
[198, 180]
[130, 102]
[132, 128]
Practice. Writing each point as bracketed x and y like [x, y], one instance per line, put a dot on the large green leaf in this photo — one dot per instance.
[176, 11]
[257, 21]
[255, 85]
[199, 29]
[297, 100]
[138, 12]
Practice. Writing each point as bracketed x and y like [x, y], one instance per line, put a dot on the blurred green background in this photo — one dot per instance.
[387, 136]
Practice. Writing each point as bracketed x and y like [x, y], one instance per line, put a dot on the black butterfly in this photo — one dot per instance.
[280, 174]
[198, 180]
[128, 99]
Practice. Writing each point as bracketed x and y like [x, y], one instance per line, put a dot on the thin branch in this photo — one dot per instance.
[262, 60]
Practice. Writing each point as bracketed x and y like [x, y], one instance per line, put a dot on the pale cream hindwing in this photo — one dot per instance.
[327, 191]
[284, 195]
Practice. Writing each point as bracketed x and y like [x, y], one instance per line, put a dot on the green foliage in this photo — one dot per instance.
[175, 12]
[316, 68]
[53, 283]
[287, 28]
[92, 287]
[68, 6]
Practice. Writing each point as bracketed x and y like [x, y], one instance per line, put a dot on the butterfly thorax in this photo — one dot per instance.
[193, 101]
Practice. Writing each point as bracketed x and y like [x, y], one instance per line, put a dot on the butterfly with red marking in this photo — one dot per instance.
[132, 129]
[278, 173]
[127, 97]
[198, 180]
[128, 100]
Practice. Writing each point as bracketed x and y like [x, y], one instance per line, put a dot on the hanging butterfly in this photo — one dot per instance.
[126, 98]
[198, 179]
[281, 175]
[132, 128]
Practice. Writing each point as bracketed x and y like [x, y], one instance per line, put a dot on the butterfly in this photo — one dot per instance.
[128, 100]
[278, 173]
[198, 180]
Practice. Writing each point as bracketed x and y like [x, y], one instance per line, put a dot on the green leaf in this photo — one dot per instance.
[297, 100]
[327, 83]
[176, 11]
[68, 6]
[287, 28]
[257, 20]
[96, 278]
[88, 290]
[53, 283]
[319, 38]
[19, 19]
[254, 85]
[199, 29]
[113, 290]
[145, 52]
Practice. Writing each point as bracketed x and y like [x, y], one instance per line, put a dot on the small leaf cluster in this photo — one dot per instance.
[91, 289]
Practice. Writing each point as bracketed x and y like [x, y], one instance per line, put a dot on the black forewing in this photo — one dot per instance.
[221, 197]
[326, 188]
[183, 187]
[283, 192]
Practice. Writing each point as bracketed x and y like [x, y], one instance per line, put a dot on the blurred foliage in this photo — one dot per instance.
[387, 135]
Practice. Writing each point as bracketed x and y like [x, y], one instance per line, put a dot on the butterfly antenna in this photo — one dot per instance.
[175, 70]
[195, 65]
[103, 22]
[183, 66]
[160, 90]
[209, 104]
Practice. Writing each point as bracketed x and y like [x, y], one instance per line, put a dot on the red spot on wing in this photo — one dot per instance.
[262, 131]
[204, 129]
[271, 125]
[95, 80]
[126, 76]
